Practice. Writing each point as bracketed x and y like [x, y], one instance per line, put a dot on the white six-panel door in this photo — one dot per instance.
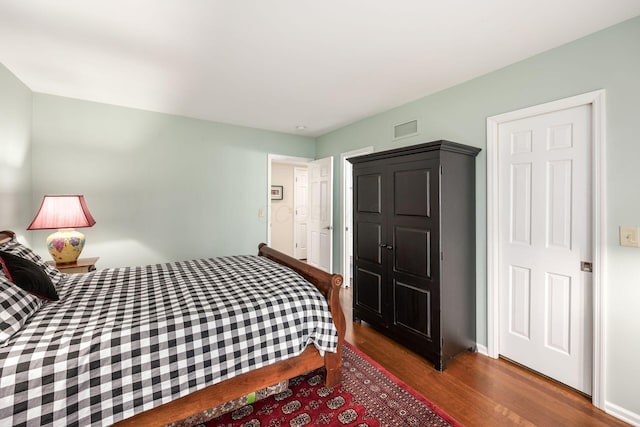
[300, 212]
[320, 225]
[544, 236]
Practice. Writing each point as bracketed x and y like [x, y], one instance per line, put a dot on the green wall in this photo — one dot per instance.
[608, 60]
[161, 187]
[15, 153]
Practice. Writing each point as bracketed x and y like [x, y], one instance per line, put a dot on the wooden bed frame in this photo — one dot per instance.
[236, 387]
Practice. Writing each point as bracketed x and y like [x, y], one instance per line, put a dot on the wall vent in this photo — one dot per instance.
[405, 129]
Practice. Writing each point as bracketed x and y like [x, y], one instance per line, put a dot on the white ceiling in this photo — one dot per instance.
[277, 64]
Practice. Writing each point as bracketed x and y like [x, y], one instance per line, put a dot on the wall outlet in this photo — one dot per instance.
[629, 236]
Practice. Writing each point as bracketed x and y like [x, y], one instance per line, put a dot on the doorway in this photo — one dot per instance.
[346, 232]
[534, 214]
[281, 208]
[282, 205]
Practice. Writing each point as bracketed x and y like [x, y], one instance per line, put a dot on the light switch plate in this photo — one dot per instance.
[629, 236]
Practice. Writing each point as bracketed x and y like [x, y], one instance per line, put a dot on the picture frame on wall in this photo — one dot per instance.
[276, 192]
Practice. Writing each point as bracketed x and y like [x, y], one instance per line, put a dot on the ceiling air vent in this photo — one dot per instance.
[405, 129]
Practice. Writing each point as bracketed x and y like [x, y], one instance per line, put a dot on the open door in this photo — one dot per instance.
[320, 225]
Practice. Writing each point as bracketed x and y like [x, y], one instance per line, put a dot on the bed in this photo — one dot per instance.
[154, 345]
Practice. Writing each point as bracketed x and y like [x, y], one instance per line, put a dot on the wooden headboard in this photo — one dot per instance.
[6, 235]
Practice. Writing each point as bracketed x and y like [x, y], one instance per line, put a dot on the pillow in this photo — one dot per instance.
[28, 276]
[16, 306]
[14, 247]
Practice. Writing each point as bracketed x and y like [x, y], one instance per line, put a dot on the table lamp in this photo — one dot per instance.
[63, 213]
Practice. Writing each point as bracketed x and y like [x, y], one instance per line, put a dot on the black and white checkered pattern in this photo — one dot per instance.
[16, 306]
[121, 341]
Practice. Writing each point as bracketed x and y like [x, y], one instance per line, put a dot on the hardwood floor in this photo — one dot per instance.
[477, 390]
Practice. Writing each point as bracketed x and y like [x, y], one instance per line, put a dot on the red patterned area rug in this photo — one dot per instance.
[369, 396]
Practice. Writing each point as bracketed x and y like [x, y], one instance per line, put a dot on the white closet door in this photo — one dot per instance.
[545, 236]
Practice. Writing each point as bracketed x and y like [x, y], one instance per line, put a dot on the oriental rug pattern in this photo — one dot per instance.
[369, 396]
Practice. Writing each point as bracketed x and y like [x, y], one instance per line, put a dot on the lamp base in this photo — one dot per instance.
[65, 245]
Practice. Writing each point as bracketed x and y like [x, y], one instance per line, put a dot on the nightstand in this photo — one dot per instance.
[82, 265]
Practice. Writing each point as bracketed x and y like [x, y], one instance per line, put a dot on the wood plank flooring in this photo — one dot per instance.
[478, 390]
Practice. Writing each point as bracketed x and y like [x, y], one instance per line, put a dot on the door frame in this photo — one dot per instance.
[598, 227]
[278, 158]
[344, 165]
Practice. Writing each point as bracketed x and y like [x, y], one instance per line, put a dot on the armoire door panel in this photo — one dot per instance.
[412, 308]
[368, 196]
[408, 184]
[412, 250]
[368, 240]
[369, 291]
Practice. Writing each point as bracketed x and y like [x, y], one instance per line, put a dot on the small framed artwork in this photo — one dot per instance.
[276, 192]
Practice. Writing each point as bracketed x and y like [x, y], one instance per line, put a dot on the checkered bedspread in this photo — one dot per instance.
[123, 340]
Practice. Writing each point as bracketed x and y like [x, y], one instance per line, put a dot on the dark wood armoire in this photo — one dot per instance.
[414, 246]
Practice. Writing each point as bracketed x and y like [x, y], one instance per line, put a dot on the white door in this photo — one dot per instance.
[300, 212]
[320, 225]
[544, 207]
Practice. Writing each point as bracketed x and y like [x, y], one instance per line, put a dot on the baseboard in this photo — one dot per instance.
[623, 414]
[482, 349]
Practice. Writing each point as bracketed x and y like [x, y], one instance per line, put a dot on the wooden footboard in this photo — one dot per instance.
[329, 285]
[241, 385]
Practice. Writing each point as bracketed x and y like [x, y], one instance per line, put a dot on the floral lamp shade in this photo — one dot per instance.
[64, 213]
